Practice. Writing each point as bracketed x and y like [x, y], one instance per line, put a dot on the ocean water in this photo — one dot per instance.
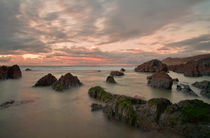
[68, 114]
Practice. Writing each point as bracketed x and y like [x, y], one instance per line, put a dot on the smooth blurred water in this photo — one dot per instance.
[67, 114]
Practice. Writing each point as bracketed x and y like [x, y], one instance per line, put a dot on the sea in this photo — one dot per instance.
[67, 114]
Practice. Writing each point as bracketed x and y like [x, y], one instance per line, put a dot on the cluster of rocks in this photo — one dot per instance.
[110, 79]
[64, 82]
[204, 86]
[190, 118]
[193, 68]
[152, 66]
[10, 72]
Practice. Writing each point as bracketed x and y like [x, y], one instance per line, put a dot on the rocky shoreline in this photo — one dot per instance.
[190, 118]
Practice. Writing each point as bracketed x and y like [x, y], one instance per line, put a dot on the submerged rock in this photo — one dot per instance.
[190, 118]
[7, 104]
[28, 69]
[12, 72]
[160, 80]
[122, 70]
[186, 90]
[116, 73]
[110, 79]
[47, 80]
[66, 82]
[152, 66]
[96, 107]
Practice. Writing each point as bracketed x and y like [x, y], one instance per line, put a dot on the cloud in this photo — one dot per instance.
[4, 59]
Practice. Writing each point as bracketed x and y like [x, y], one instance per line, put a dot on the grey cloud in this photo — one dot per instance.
[5, 59]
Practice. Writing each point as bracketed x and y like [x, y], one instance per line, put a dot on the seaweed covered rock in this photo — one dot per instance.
[160, 80]
[96, 107]
[47, 80]
[116, 73]
[190, 118]
[12, 72]
[186, 90]
[66, 82]
[152, 66]
[110, 79]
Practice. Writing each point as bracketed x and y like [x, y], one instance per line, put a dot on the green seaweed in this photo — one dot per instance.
[58, 87]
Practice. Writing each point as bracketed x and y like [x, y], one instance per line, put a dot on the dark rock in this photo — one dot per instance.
[160, 80]
[190, 118]
[186, 90]
[28, 69]
[47, 80]
[122, 70]
[205, 93]
[116, 73]
[12, 72]
[176, 80]
[202, 85]
[110, 79]
[96, 107]
[152, 66]
[66, 82]
[7, 104]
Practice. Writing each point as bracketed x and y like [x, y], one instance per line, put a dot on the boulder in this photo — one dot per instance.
[152, 66]
[110, 79]
[122, 70]
[14, 72]
[66, 82]
[47, 80]
[28, 69]
[116, 73]
[160, 80]
[186, 90]
[96, 107]
[202, 85]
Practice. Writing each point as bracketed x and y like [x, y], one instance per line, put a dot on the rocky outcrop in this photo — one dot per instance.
[12, 72]
[47, 80]
[190, 118]
[96, 107]
[193, 68]
[66, 82]
[186, 90]
[110, 79]
[116, 73]
[152, 66]
[122, 70]
[28, 69]
[205, 86]
[160, 80]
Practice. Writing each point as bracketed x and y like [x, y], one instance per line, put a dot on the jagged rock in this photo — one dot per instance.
[122, 70]
[12, 72]
[96, 107]
[160, 80]
[202, 85]
[66, 82]
[152, 66]
[190, 118]
[186, 90]
[110, 79]
[28, 69]
[205, 93]
[116, 73]
[47, 80]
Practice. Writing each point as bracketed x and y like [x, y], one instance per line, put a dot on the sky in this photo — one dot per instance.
[101, 32]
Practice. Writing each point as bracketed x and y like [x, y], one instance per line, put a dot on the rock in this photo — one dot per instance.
[186, 90]
[12, 72]
[66, 82]
[7, 104]
[176, 80]
[27, 69]
[47, 80]
[205, 93]
[160, 80]
[116, 73]
[122, 70]
[110, 79]
[202, 85]
[152, 66]
[96, 107]
[190, 118]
